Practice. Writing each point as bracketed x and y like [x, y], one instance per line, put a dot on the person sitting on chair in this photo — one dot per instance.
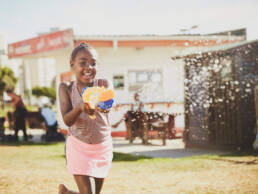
[50, 121]
[138, 106]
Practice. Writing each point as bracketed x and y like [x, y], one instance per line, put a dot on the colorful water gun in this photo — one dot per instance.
[98, 96]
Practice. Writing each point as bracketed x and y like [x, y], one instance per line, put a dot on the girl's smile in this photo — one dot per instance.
[87, 75]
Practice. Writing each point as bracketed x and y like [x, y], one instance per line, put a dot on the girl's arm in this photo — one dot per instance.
[69, 113]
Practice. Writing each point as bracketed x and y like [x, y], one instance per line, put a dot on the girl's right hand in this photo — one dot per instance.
[86, 108]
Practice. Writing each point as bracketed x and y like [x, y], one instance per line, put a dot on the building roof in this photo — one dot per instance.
[66, 39]
[217, 49]
[157, 37]
[142, 41]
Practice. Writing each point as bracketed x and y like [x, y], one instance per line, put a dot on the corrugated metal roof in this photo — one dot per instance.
[215, 48]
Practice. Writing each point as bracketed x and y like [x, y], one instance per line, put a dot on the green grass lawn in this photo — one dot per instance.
[40, 168]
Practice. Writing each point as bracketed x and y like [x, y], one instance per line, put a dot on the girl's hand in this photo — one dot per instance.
[86, 108]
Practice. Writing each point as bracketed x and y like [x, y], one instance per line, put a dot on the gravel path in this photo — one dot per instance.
[173, 149]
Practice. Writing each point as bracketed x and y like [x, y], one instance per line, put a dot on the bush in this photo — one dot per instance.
[44, 91]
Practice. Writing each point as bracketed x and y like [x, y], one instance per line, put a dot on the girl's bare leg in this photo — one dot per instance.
[98, 184]
[83, 183]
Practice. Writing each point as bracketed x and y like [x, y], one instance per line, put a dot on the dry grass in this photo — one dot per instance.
[40, 168]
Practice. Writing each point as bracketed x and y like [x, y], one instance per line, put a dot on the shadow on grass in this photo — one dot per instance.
[236, 157]
[28, 143]
[118, 157]
[246, 152]
[251, 162]
[185, 154]
[121, 157]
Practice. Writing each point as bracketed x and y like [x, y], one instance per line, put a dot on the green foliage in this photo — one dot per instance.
[44, 91]
[7, 108]
[37, 91]
[7, 79]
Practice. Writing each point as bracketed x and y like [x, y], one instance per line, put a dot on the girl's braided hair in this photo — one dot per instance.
[82, 46]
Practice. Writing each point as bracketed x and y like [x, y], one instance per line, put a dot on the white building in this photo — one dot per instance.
[132, 63]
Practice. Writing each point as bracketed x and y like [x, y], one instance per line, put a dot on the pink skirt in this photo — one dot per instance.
[93, 160]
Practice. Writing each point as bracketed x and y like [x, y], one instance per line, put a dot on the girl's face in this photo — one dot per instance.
[84, 66]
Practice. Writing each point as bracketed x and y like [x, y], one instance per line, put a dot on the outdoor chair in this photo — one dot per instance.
[147, 125]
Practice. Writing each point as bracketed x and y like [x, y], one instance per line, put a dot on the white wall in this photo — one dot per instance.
[62, 65]
[156, 58]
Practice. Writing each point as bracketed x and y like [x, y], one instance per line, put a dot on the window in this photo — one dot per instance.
[118, 82]
[138, 79]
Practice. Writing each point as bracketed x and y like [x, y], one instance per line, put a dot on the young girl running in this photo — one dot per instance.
[89, 143]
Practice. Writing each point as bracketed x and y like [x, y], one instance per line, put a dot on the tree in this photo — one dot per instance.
[44, 91]
[7, 80]
[37, 91]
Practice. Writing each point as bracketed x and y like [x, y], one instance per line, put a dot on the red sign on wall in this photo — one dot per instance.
[43, 43]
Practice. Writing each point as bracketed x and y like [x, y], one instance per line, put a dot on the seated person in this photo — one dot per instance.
[138, 106]
[50, 122]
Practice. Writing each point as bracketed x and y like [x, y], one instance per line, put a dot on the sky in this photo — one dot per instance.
[23, 19]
